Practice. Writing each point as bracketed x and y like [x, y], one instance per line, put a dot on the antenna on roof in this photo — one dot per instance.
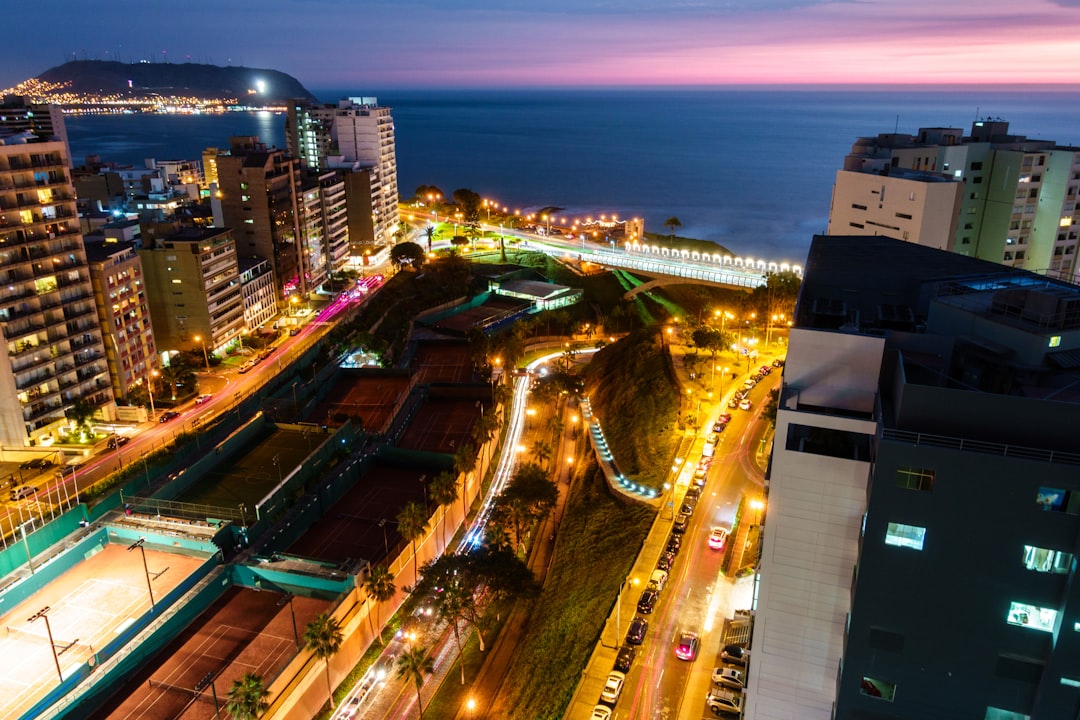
[897, 128]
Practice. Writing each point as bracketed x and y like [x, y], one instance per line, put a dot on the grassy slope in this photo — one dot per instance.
[598, 540]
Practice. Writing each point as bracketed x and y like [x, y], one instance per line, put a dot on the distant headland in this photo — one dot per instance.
[105, 87]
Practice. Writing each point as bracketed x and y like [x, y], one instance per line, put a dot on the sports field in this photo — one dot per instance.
[251, 474]
[362, 524]
[371, 398]
[443, 363]
[244, 631]
[86, 608]
[441, 425]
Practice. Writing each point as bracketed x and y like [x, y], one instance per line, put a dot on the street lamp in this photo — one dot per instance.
[150, 390]
[288, 599]
[139, 544]
[48, 630]
[206, 357]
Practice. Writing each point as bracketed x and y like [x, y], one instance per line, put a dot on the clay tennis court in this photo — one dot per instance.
[443, 363]
[369, 397]
[350, 529]
[243, 631]
[254, 472]
[441, 425]
[87, 607]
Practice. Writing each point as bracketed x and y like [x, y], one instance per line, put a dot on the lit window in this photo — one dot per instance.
[875, 688]
[1030, 616]
[909, 536]
[1047, 561]
[1055, 340]
[915, 478]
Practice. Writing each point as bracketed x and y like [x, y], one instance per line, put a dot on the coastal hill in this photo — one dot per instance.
[81, 82]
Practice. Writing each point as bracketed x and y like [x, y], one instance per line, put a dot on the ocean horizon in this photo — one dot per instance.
[749, 168]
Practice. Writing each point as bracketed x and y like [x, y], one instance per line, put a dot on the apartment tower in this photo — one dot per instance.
[55, 355]
[924, 496]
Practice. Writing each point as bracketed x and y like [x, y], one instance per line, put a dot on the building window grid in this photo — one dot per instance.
[915, 478]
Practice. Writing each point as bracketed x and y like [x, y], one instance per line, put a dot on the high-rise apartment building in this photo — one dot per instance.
[194, 288]
[1018, 205]
[41, 120]
[356, 134]
[124, 313]
[55, 355]
[924, 496]
[259, 198]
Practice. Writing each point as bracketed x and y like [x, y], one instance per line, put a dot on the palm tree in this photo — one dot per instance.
[414, 664]
[412, 522]
[323, 636]
[443, 492]
[247, 697]
[541, 451]
[671, 223]
[380, 588]
[429, 231]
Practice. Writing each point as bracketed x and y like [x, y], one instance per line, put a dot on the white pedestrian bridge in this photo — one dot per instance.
[671, 266]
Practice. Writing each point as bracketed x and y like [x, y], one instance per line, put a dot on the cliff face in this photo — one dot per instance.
[178, 79]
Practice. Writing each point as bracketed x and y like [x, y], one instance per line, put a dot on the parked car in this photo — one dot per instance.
[246, 367]
[23, 491]
[635, 634]
[203, 399]
[778, 363]
[765, 369]
[733, 403]
[725, 418]
[658, 579]
[726, 702]
[700, 473]
[612, 688]
[681, 521]
[718, 427]
[167, 416]
[693, 493]
[735, 654]
[625, 658]
[745, 404]
[729, 677]
[647, 602]
[674, 542]
[713, 438]
[36, 464]
[718, 538]
[687, 507]
[667, 559]
[117, 441]
[600, 712]
[687, 646]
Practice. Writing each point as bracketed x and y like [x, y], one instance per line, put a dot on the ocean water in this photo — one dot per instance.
[751, 169]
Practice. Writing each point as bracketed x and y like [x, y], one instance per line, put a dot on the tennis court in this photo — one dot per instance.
[369, 397]
[86, 608]
[441, 425]
[252, 473]
[362, 524]
[443, 363]
[244, 631]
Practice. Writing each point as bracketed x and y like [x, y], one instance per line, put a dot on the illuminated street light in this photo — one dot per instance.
[206, 357]
[150, 390]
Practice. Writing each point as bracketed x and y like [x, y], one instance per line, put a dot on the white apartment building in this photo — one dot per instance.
[1017, 206]
[55, 354]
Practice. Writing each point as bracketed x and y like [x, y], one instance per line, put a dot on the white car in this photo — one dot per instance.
[729, 677]
[724, 701]
[601, 712]
[612, 688]
[745, 404]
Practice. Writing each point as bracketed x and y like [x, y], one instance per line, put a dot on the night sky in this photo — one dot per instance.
[561, 43]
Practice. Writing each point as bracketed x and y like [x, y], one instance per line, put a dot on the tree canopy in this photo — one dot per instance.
[407, 254]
